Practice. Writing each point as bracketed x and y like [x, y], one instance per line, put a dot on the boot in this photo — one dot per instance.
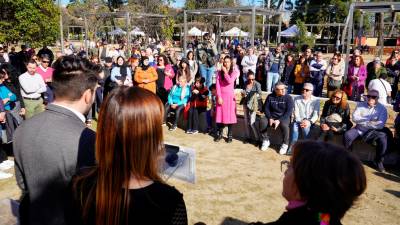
[229, 140]
[218, 135]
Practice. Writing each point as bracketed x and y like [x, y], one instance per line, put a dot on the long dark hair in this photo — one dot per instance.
[123, 68]
[187, 70]
[327, 176]
[230, 68]
[129, 142]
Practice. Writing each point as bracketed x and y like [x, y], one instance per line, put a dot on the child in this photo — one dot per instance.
[212, 127]
[198, 105]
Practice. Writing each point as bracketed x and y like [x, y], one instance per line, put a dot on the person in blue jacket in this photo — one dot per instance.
[177, 100]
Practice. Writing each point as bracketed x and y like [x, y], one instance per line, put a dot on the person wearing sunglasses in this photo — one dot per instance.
[335, 118]
[335, 73]
[370, 118]
[46, 72]
[321, 183]
[306, 112]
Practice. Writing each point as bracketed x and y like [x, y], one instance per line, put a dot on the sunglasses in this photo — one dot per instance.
[372, 96]
[336, 98]
[45, 61]
[306, 90]
[335, 58]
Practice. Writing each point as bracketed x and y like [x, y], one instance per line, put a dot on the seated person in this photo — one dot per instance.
[306, 113]
[177, 100]
[321, 182]
[396, 108]
[335, 118]
[370, 118]
[198, 105]
[278, 108]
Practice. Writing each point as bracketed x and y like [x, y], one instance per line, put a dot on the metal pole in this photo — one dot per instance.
[86, 33]
[269, 21]
[253, 25]
[128, 30]
[219, 33]
[381, 30]
[61, 28]
[361, 24]
[185, 28]
[263, 22]
[279, 29]
[349, 27]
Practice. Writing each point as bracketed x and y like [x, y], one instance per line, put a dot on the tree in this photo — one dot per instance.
[32, 21]
[302, 38]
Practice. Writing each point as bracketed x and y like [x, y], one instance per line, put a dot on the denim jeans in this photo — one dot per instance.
[295, 134]
[272, 79]
[207, 73]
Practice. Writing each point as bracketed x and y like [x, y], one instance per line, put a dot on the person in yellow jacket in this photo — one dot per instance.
[301, 74]
[146, 76]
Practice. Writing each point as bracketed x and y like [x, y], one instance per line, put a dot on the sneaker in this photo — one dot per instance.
[164, 124]
[4, 166]
[4, 175]
[195, 131]
[265, 144]
[9, 162]
[379, 166]
[172, 128]
[189, 131]
[283, 149]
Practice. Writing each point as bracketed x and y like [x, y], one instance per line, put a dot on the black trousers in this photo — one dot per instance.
[283, 125]
[193, 120]
[178, 110]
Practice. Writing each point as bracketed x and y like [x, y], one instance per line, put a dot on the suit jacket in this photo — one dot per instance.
[49, 149]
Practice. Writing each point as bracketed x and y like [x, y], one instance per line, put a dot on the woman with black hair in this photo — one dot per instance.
[184, 70]
[121, 73]
[226, 100]
[165, 74]
[12, 83]
[145, 75]
[322, 181]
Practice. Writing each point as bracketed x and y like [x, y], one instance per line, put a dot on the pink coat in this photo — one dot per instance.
[168, 79]
[362, 76]
[226, 113]
[48, 74]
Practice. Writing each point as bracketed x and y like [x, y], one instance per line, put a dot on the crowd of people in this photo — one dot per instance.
[49, 102]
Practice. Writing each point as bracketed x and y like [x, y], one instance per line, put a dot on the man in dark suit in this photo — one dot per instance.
[50, 147]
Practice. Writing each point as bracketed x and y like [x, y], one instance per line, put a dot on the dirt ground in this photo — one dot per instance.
[237, 183]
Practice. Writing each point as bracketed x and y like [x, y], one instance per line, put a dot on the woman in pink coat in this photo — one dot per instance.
[226, 101]
[356, 79]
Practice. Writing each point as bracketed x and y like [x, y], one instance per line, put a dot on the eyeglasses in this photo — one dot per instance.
[372, 96]
[252, 79]
[306, 90]
[336, 98]
[161, 60]
[335, 58]
[285, 164]
[45, 61]
[279, 89]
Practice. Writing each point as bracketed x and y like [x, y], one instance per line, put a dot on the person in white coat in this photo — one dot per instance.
[249, 62]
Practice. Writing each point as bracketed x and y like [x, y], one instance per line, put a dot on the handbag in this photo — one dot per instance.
[388, 97]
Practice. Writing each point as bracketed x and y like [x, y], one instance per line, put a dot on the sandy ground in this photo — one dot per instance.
[237, 183]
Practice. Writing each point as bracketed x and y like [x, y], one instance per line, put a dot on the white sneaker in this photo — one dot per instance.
[4, 175]
[5, 166]
[283, 149]
[9, 162]
[265, 144]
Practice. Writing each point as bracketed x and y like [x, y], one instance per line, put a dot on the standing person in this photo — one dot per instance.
[355, 82]
[206, 53]
[32, 87]
[165, 74]
[335, 73]
[370, 118]
[275, 65]
[249, 63]
[121, 73]
[375, 71]
[194, 67]
[317, 73]
[146, 76]
[61, 135]
[108, 84]
[177, 99]
[23, 58]
[130, 118]
[393, 70]
[306, 113]
[301, 75]
[226, 100]
[12, 83]
[308, 55]
[396, 108]
[383, 87]
[251, 95]
[288, 73]
[184, 70]
[335, 117]
[278, 108]
[46, 72]
[198, 105]
[321, 183]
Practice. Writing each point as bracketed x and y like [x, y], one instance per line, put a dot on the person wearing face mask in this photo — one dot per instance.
[370, 118]
[121, 73]
[321, 183]
[146, 76]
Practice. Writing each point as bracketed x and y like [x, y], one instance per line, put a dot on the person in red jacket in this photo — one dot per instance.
[198, 105]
